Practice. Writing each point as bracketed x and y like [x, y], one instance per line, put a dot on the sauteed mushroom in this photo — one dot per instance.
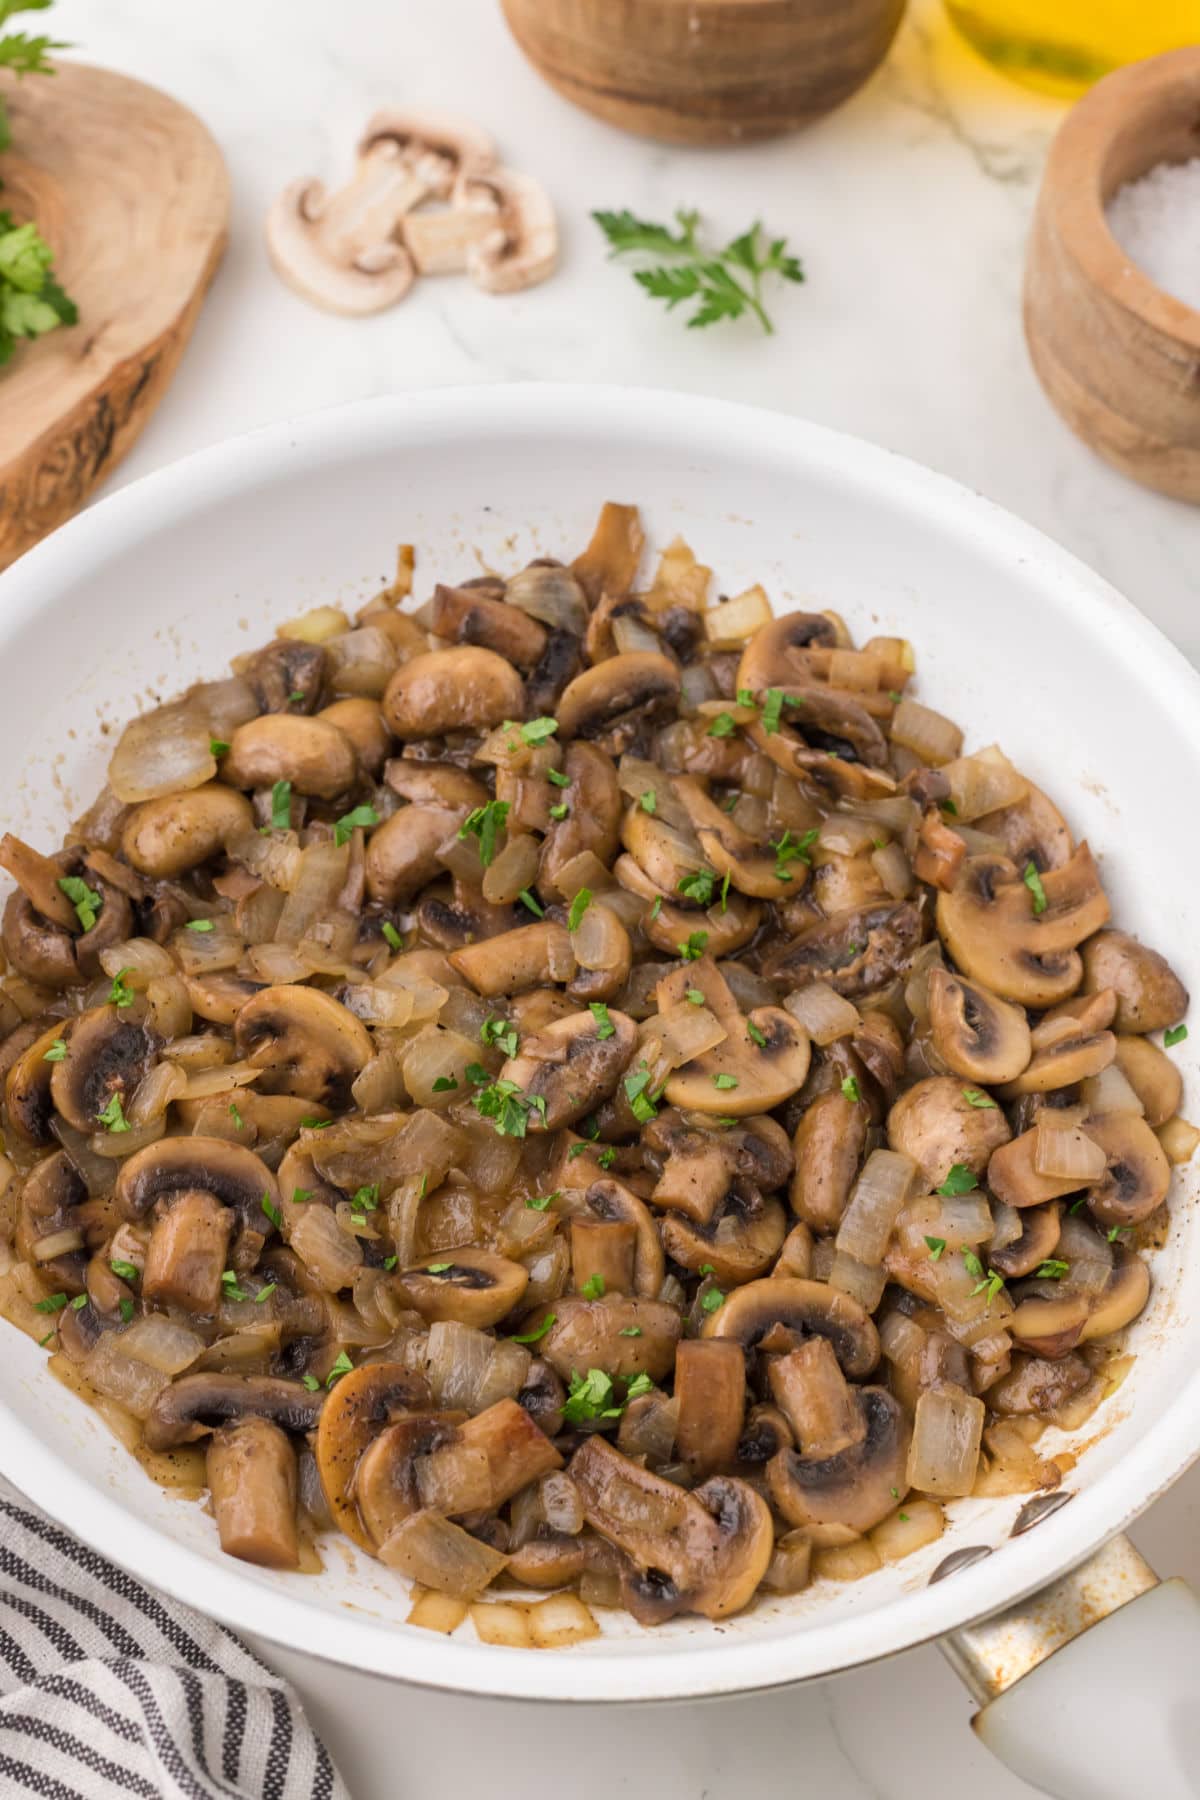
[617, 1075]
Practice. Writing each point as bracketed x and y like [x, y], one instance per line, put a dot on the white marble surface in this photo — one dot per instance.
[910, 209]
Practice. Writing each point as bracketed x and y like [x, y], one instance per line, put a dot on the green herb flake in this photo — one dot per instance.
[1117, 1232]
[656, 908]
[723, 726]
[772, 710]
[312, 1123]
[120, 994]
[535, 907]
[729, 804]
[936, 1247]
[560, 811]
[300, 1195]
[607, 1157]
[793, 849]
[850, 1089]
[755, 1035]
[724, 283]
[724, 1081]
[604, 1025]
[540, 1202]
[51, 1304]
[725, 892]
[360, 816]
[341, 1367]
[537, 731]
[57, 1051]
[630, 1331]
[948, 806]
[693, 949]
[126, 1309]
[389, 1262]
[271, 1211]
[641, 1383]
[437, 1268]
[960, 1180]
[593, 1287]
[640, 1103]
[126, 1270]
[1033, 882]
[79, 1302]
[694, 997]
[591, 1396]
[500, 1033]
[712, 1301]
[579, 906]
[281, 806]
[1052, 1270]
[230, 1289]
[365, 1199]
[485, 823]
[391, 936]
[1174, 1036]
[444, 1084]
[503, 1103]
[264, 1293]
[558, 779]
[112, 1117]
[311, 1383]
[218, 747]
[649, 801]
[977, 1098]
[539, 1331]
[198, 925]
[698, 886]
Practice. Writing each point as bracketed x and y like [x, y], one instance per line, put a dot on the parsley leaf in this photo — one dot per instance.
[281, 806]
[699, 886]
[936, 1246]
[1175, 1035]
[722, 726]
[86, 901]
[345, 827]
[341, 1367]
[694, 997]
[649, 801]
[218, 747]
[640, 1103]
[540, 1202]
[272, 1212]
[604, 1025]
[772, 709]
[850, 1089]
[1053, 1269]
[713, 1300]
[236, 1116]
[539, 1331]
[560, 812]
[31, 300]
[111, 1116]
[724, 1081]
[960, 1180]
[792, 849]
[500, 1033]
[504, 1104]
[120, 993]
[311, 1383]
[51, 1304]
[725, 283]
[535, 907]
[444, 1084]
[694, 948]
[484, 823]
[57, 1051]
[198, 925]
[593, 1287]
[1033, 882]
[558, 778]
[229, 1287]
[591, 1396]
[125, 1270]
[756, 1036]
[536, 731]
[579, 906]
[391, 936]
[977, 1098]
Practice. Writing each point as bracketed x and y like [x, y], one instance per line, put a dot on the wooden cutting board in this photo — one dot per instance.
[131, 192]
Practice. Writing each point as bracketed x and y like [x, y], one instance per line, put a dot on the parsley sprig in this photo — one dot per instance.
[725, 284]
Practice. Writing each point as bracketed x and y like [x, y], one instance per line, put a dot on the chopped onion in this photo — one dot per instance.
[901, 1339]
[983, 783]
[1178, 1139]
[896, 813]
[514, 869]
[600, 940]
[331, 1256]
[162, 752]
[316, 626]
[846, 1562]
[1008, 1225]
[58, 1243]
[679, 580]
[458, 1360]
[559, 1620]
[379, 1003]
[1089, 1256]
[505, 1374]
[361, 661]
[912, 1526]
[845, 835]
[551, 595]
[864, 1282]
[790, 1568]
[208, 952]
[203, 1051]
[894, 870]
[140, 957]
[630, 635]
[858, 671]
[379, 1084]
[943, 1458]
[436, 1612]
[1066, 1152]
[455, 1479]
[697, 683]
[682, 1033]
[584, 871]
[155, 1092]
[319, 880]
[823, 1014]
[437, 1055]
[117, 1145]
[441, 1555]
[277, 964]
[162, 1344]
[875, 1203]
[928, 734]
[961, 1220]
[275, 858]
[1110, 1092]
[731, 623]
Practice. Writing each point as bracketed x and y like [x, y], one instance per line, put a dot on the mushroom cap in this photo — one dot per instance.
[169, 836]
[463, 689]
[775, 655]
[976, 1034]
[1013, 1179]
[107, 1054]
[511, 960]
[287, 676]
[1063, 1065]
[231, 1174]
[570, 1066]
[1122, 1300]
[37, 948]
[1154, 1078]
[1150, 996]
[791, 1309]
[828, 1147]
[989, 926]
[665, 854]
[27, 1088]
[593, 820]
[474, 1287]
[935, 1124]
[639, 681]
[357, 278]
[523, 248]
[726, 926]
[402, 853]
[1032, 830]
[857, 1487]
[1138, 1173]
[192, 1405]
[612, 1200]
[315, 756]
[467, 616]
[304, 1041]
[856, 953]
[763, 1075]
[358, 1408]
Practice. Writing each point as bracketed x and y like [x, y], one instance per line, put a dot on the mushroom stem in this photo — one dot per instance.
[253, 1477]
[187, 1253]
[710, 1386]
[602, 1253]
[817, 1400]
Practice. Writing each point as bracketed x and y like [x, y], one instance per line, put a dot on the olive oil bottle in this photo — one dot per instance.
[1063, 46]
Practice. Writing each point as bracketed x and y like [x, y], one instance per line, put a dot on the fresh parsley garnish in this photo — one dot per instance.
[445, 1083]
[977, 1098]
[649, 801]
[712, 1301]
[698, 886]
[560, 811]
[539, 1331]
[722, 726]
[86, 901]
[535, 906]
[725, 283]
[271, 1211]
[536, 731]
[391, 935]
[604, 1025]
[365, 1199]
[1175, 1035]
[1053, 1269]
[230, 1290]
[311, 1383]
[936, 1246]
[504, 1104]
[987, 1281]
[111, 1116]
[792, 849]
[281, 806]
[235, 1115]
[579, 906]
[349, 822]
[960, 1180]
[1033, 882]
[125, 1270]
[484, 823]
[51, 1304]
[500, 1033]
[540, 1202]
[772, 710]
[593, 1287]
[724, 1081]
[218, 747]
[120, 993]
[558, 778]
[198, 925]
[695, 946]
[57, 1051]
[31, 300]
[341, 1367]
[640, 1103]
[756, 1036]
[694, 997]
[850, 1089]
[438, 1268]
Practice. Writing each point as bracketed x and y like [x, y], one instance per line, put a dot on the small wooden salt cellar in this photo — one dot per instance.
[1119, 358]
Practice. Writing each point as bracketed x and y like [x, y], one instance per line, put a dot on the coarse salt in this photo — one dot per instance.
[1156, 221]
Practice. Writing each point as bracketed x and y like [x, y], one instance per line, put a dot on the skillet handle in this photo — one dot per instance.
[1088, 1689]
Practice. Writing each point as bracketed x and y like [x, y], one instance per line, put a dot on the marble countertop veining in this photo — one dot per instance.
[910, 208]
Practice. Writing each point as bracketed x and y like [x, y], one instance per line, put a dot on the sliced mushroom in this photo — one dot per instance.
[619, 1333]
[613, 1201]
[776, 654]
[602, 1254]
[438, 785]
[856, 953]
[304, 1041]
[27, 1088]
[828, 1148]
[314, 756]
[357, 1410]
[710, 1388]
[751, 868]
[741, 1246]
[778, 1314]
[530, 956]
[935, 1124]
[107, 1054]
[751, 1072]
[193, 1405]
[41, 951]
[253, 1479]
[1150, 996]
[1012, 1177]
[703, 1552]
[1063, 1064]
[1032, 830]
[38, 877]
[1123, 1299]
[475, 1287]
[402, 853]
[665, 854]
[572, 1064]
[232, 1175]
[361, 720]
[1138, 1173]
[179, 832]
[286, 676]
[640, 684]
[593, 801]
[520, 246]
[1048, 1325]
[857, 1487]
[51, 1196]
[991, 930]
[724, 928]
[1153, 1077]
[188, 1252]
[221, 997]
[1036, 1244]
[1038, 1386]
[464, 689]
[977, 1035]
[465, 616]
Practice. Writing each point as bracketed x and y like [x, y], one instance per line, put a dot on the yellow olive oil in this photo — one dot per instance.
[1063, 46]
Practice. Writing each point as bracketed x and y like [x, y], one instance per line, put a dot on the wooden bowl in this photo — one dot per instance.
[1119, 358]
[705, 71]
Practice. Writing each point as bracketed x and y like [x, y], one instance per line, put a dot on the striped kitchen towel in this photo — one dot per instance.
[108, 1690]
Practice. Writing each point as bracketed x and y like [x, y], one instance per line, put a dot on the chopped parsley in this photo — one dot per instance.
[699, 886]
[730, 803]
[312, 1123]
[772, 709]
[540, 1202]
[126, 1270]
[1033, 882]
[725, 892]
[438, 1268]
[535, 907]
[1118, 1231]
[300, 1195]
[694, 997]
[1053, 1269]
[755, 1035]
[311, 1383]
[120, 993]
[504, 1104]
[593, 1287]
[111, 1116]
[198, 925]
[936, 1247]
[500, 1033]
[712, 1301]
[579, 906]
[630, 1331]
[346, 826]
[51, 1304]
[341, 1367]
[539, 1331]
[724, 1081]
[229, 1287]
[604, 1025]
[694, 948]
[850, 1089]
[445, 1083]
[281, 806]
[125, 1308]
[722, 726]
[86, 901]
[558, 778]
[236, 1116]
[656, 908]
[264, 1293]
[960, 1180]
[640, 1103]
[649, 801]
[537, 731]
[218, 747]
[484, 823]
[1175, 1035]
[365, 1199]
[389, 1262]
[792, 849]
[391, 935]
[271, 1211]
[977, 1098]
[57, 1051]
[560, 811]
[987, 1281]
[592, 1396]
